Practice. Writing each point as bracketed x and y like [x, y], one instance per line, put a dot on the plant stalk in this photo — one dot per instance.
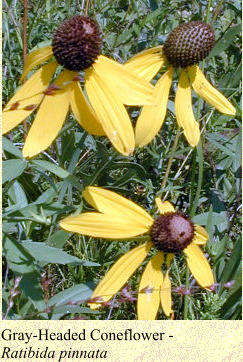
[24, 53]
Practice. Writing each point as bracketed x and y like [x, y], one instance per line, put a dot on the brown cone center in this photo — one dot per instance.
[189, 43]
[77, 43]
[172, 232]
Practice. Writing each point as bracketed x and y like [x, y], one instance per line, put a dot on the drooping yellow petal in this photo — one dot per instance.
[110, 112]
[211, 95]
[111, 203]
[199, 265]
[164, 207]
[103, 225]
[35, 58]
[49, 118]
[152, 118]
[165, 292]
[147, 63]
[120, 272]
[165, 295]
[27, 98]
[149, 288]
[200, 235]
[83, 112]
[130, 88]
[184, 112]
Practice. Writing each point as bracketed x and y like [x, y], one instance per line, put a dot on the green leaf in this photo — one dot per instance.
[125, 36]
[47, 254]
[224, 149]
[60, 311]
[58, 239]
[73, 181]
[77, 294]
[152, 16]
[19, 259]
[9, 227]
[49, 166]
[68, 146]
[37, 213]
[48, 196]
[58, 171]
[233, 303]
[232, 264]
[30, 284]
[12, 169]
[226, 40]
[17, 195]
[9, 147]
[134, 167]
[202, 219]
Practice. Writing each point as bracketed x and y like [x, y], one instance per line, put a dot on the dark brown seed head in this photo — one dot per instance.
[189, 43]
[77, 43]
[172, 232]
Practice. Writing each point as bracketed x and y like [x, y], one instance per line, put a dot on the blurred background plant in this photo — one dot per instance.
[50, 274]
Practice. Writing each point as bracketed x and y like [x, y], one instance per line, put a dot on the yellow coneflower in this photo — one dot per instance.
[185, 46]
[172, 232]
[76, 46]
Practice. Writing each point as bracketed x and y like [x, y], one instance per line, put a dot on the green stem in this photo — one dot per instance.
[87, 8]
[193, 173]
[194, 201]
[170, 161]
[25, 24]
[200, 179]
[186, 299]
[217, 11]
[208, 11]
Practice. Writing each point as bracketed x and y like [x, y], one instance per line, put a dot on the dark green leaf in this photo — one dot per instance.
[232, 264]
[30, 284]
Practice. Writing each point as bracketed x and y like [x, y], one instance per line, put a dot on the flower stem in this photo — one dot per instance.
[217, 11]
[200, 179]
[186, 298]
[194, 201]
[87, 8]
[170, 160]
[25, 23]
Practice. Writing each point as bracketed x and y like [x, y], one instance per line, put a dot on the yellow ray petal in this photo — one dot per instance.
[164, 207]
[29, 95]
[200, 235]
[152, 279]
[165, 296]
[211, 95]
[184, 112]
[199, 265]
[83, 112]
[102, 225]
[35, 58]
[111, 203]
[131, 89]
[152, 118]
[120, 272]
[49, 118]
[165, 293]
[111, 113]
[146, 64]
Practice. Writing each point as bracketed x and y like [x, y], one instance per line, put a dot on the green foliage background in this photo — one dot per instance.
[48, 273]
